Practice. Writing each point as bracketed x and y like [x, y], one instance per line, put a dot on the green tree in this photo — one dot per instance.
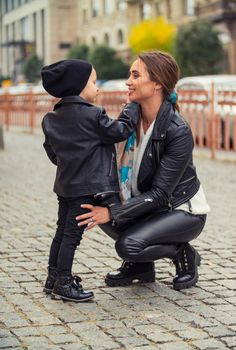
[32, 68]
[152, 34]
[79, 51]
[107, 64]
[198, 49]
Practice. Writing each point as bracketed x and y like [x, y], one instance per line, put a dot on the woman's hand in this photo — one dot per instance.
[96, 216]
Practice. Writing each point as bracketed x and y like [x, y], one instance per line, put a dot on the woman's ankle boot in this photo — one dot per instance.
[186, 262]
[130, 271]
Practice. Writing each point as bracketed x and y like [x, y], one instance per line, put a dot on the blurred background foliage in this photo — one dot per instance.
[32, 68]
[152, 34]
[104, 60]
[198, 49]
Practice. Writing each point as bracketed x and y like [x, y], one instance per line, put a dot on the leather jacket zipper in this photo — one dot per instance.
[187, 180]
[158, 152]
[140, 204]
[170, 206]
[111, 165]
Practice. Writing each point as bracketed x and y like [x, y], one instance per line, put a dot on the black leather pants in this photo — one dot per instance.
[156, 236]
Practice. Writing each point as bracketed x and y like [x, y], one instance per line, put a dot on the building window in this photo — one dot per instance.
[85, 15]
[108, 6]
[35, 26]
[168, 9]
[94, 8]
[189, 7]
[121, 5]
[10, 5]
[106, 39]
[6, 5]
[24, 28]
[94, 41]
[43, 33]
[120, 37]
[146, 11]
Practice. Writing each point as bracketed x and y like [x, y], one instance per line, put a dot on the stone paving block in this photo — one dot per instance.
[4, 333]
[208, 344]
[13, 320]
[230, 341]
[9, 342]
[192, 334]
[25, 331]
[76, 346]
[132, 340]
[229, 283]
[63, 338]
[45, 347]
[176, 346]
[54, 330]
[152, 333]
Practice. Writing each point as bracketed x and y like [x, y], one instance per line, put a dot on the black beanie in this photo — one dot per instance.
[66, 78]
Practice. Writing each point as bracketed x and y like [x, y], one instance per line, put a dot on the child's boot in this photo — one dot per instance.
[51, 279]
[68, 288]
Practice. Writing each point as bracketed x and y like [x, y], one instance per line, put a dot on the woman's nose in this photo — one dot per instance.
[128, 82]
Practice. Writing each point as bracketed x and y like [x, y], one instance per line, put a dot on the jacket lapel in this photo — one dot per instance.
[148, 163]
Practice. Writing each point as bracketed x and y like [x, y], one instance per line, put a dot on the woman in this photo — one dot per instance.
[167, 206]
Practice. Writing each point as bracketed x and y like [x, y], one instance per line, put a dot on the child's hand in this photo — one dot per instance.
[96, 216]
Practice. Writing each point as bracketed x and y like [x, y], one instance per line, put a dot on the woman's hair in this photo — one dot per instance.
[164, 70]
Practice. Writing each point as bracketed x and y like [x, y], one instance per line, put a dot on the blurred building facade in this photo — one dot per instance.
[47, 27]
[51, 27]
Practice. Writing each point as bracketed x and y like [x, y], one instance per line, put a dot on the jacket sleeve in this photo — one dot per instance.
[117, 130]
[51, 155]
[178, 152]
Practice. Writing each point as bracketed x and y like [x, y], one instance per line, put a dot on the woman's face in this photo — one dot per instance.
[140, 87]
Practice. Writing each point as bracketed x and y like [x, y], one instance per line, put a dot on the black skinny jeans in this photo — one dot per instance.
[68, 234]
[155, 236]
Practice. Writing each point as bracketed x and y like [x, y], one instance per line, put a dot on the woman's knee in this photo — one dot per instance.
[129, 249]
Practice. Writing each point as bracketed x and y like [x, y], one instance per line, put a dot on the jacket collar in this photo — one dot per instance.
[72, 99]
[164, 117]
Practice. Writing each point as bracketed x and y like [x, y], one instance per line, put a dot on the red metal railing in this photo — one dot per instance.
[212, 120]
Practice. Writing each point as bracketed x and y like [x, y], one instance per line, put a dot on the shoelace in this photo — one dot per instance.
[125, 265]
[77, 281]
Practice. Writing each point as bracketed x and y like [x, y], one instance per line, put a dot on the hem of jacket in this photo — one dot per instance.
[115, 209]
[78, 191]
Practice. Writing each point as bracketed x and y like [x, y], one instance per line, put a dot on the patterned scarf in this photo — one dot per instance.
[125, 166]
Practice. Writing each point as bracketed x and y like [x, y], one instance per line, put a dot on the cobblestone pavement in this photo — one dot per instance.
[147, 317]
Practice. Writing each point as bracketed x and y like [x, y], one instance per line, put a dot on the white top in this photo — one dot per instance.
[197, 205]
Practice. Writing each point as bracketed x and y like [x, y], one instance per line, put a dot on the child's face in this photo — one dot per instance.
[90, 92]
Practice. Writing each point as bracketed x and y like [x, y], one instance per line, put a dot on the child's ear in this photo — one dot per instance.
[157, 87]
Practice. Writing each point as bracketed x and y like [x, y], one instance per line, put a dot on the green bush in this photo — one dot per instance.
[32, 68]
[79, 51]
[198, 49]
[107, 64]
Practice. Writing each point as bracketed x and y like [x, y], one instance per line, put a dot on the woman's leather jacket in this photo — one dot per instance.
[167, 176]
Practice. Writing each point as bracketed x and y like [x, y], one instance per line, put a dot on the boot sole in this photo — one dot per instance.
[142, 278]
[193, 282]
[60, 297]
[47, 291]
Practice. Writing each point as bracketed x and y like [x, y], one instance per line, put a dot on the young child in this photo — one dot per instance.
[79, 140]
